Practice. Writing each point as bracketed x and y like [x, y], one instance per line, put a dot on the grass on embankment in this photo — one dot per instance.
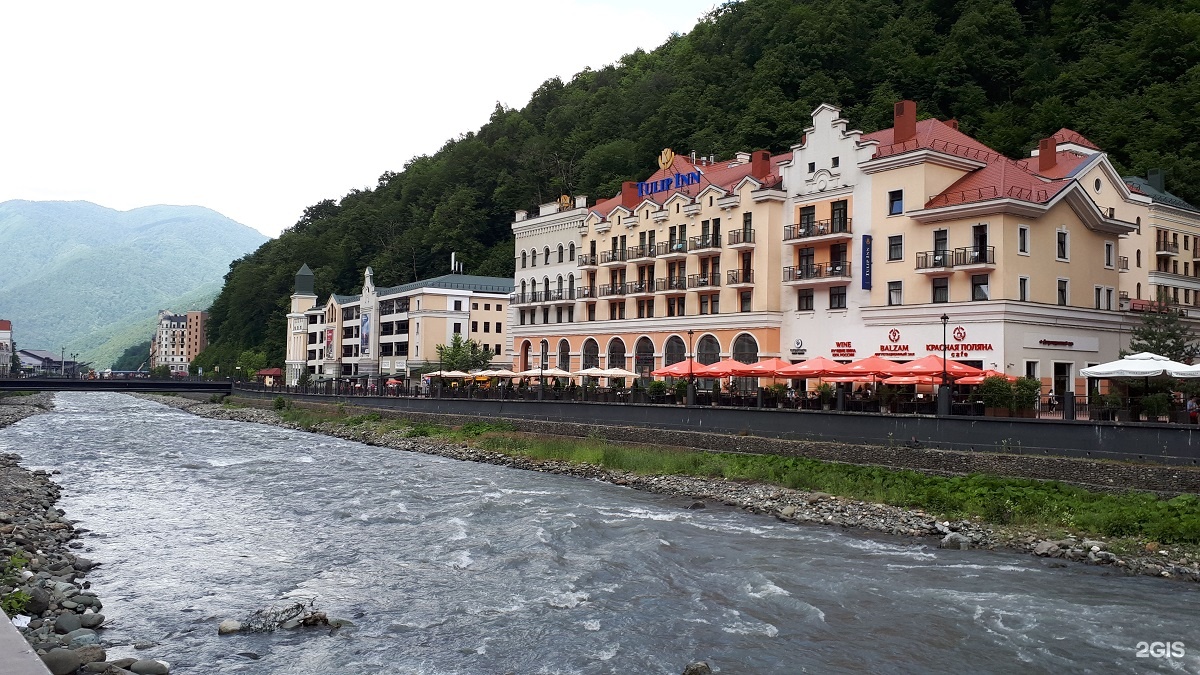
[1001, 501]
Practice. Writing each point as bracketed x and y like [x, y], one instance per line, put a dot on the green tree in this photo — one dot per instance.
[463, 354]
[133, 357]
[14, 361]
[1163, 333]
[161, 372]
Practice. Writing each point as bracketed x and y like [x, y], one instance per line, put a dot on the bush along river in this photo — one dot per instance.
[428, 564]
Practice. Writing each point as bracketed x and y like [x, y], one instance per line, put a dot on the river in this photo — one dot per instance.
[455, 567]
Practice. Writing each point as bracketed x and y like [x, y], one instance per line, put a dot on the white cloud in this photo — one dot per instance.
[259, 109]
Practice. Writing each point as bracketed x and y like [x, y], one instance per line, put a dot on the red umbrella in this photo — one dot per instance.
[932, 365]
[978, 379]
[765, 368]
[870, 366]
[814, 367]
[720, 368]
[680, 369]
[913, 379]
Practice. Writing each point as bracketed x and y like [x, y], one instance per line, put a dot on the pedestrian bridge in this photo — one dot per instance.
[177, 385]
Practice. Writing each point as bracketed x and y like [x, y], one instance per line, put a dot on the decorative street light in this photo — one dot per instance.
[943, 403]
[945, 321]
[541, 367]
[62, 362]
[691, 387]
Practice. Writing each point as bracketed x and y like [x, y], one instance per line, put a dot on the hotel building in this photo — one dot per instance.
[855, 244]
[178, 338]
[6, 347]
[391, 331]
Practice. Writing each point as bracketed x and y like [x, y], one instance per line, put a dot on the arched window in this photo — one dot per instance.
[1139, 291]
[708, 350]
[1139, 257]
[546, 256]
[533, 285]
[590, 355]
[524, 259]
[560, 287]
[564, 355]
[616, 353]
[522, 289]
[572, 251]
[560, 253]
[745, 349]
[571, 286]
[674, 351]
[525, 347]
[643, 357]
[533, 258]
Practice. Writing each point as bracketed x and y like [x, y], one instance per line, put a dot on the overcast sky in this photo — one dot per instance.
[260, 109]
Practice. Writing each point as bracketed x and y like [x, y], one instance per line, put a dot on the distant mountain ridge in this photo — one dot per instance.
[90, 279]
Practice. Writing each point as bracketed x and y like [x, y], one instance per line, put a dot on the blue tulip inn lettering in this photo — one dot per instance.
[866, 262]
[670, 182]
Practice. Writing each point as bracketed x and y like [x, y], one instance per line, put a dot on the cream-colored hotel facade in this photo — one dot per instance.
[853, 245]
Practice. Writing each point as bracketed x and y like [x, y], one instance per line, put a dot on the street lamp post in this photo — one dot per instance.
[944, 389]
[691, 387]
[542, 367]
[62, 363]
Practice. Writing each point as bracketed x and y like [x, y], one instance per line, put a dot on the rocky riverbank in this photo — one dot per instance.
[787, 505]
[41, 578]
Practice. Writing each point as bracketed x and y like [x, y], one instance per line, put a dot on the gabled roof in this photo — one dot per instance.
[1066, 163]
[1001, 178]
[931, 135]
[1142, 186]
[1065, 135]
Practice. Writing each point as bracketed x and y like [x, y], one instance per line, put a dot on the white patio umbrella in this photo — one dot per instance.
[618, 372]
[1143, 365]
[594, 371]
[544, 372]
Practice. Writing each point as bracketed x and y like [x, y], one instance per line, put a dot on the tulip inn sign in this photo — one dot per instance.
[665, 159]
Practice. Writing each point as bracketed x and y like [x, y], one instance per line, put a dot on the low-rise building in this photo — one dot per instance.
[6, 347]
[393, 330]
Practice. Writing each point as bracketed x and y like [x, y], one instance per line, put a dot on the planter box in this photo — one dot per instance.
[995, 412]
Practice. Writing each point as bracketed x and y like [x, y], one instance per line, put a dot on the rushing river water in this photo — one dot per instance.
[455, 567]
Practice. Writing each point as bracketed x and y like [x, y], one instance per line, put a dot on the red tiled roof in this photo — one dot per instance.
[1065, 162]
[1065, 135]
[933, 135]
[1001, 178]
[5, 324]
[719, 174]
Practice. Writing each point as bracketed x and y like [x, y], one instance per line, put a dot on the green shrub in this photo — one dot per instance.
[657, 388]
[1026, 391]
[280, 403]
[1156, 405]
[996, 392]
[680, 389]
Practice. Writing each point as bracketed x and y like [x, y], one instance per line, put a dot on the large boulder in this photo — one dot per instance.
[61, 661]
[91, 654]
[91, 620]
[81, 637]
[229, 626]
[39, 601]
[150, 667]
[697, 668]
[65, 623]
[956, 540]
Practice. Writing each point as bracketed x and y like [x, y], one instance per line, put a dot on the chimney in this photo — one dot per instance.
[953, 124]
[629, 195]
[1155, 178]
[1047, 154]
[580, 201]
[760, 164]
[905, 114]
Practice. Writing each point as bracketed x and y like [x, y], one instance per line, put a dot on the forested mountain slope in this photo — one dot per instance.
[748, 76]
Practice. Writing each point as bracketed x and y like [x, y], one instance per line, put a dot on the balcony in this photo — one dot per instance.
[611, 290]
[586, 293]
[1165, 248]
[705, 242]
[819, 274]
[616, 258]
[975, 258]
[739, 277]
[819, 230]
[564, 296]
[520, 298]
[587, 260]
[1123, 263]
[935, 262]
[696, 281]
[640, 287]
[675, 250]
[741, 239]
[640, 253]
[670, 285]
